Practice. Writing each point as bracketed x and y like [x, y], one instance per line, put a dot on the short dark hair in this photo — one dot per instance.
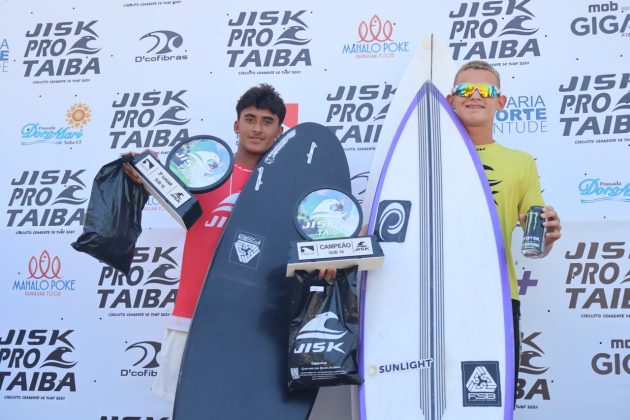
[263, 96]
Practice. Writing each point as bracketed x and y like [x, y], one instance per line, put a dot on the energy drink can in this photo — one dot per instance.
[534, 235]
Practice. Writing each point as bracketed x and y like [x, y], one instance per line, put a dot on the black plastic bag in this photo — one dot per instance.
[112, 222]
[324, 332]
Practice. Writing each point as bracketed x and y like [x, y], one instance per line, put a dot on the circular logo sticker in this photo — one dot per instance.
[202, 163]
[328, 214]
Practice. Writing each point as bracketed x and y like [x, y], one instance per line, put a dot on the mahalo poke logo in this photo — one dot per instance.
[44, 277]
[376, 30]
[375, 40]
[493, 30]
[44, 267]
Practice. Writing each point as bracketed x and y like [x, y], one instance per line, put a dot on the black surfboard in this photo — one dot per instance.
[235, 361]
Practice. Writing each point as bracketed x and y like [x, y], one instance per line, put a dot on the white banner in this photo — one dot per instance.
[83, 82]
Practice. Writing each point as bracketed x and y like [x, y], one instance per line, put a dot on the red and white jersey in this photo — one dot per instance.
[201, 242]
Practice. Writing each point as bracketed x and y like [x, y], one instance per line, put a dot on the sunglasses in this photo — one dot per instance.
[466, 90]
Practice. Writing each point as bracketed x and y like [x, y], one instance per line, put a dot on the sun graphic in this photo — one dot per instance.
[78, 115]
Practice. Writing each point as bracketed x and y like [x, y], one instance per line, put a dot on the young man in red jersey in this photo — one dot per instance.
[260, 113]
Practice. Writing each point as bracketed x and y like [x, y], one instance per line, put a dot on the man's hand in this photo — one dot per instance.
[551, 222]
[131, 173]
[327, 274]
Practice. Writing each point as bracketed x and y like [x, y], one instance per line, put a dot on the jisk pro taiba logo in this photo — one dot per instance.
[596, 105]
[491, 30]
[269, 40]
[151, 285]
[59, 49]
[153, 120]
[356, 114]
[38, 360]
[41, 200]
[598, 279]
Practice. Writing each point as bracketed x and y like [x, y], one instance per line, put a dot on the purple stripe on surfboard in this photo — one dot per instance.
[505, 285]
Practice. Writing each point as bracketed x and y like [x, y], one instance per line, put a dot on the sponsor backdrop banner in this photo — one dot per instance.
[83, 82]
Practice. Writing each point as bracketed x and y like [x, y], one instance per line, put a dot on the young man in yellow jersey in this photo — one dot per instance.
[512, 174]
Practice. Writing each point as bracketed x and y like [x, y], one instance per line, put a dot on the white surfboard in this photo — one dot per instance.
[437, 337]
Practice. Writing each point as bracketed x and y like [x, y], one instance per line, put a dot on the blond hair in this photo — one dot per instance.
[479, 65]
